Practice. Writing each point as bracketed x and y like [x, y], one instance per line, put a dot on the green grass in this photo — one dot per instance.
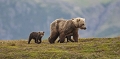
[86, 48]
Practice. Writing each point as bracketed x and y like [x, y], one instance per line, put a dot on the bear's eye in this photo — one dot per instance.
[82, 24]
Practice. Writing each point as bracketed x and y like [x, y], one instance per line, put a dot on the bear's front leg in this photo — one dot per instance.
[75, 36]
[40, 41]
[29, 40]
[35, 40]
[62, 37]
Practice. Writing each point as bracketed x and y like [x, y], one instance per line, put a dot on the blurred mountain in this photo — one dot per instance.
[18, 18]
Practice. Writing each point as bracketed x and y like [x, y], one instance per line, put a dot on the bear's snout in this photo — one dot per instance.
[42, 35]
[85, 28]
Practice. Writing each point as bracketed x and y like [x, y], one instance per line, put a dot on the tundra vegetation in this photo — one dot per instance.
[85, 48]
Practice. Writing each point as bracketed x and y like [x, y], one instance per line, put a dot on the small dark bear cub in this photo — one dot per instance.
[37, 36]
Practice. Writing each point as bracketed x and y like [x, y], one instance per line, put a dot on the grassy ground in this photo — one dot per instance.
[86, 48]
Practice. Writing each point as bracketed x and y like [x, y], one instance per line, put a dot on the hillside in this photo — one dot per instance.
[86, 48]
[18, 18]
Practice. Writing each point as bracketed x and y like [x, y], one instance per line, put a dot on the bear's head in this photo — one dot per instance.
[41, 33]
[79, 23]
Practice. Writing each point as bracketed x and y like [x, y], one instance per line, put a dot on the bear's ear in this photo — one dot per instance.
[72, 18]
[78, 20]
[43, 32]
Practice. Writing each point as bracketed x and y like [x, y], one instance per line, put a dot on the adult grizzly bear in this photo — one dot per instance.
[37, 36]
[62, 28]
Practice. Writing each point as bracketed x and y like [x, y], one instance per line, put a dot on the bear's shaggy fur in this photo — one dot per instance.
[37, 36]
[62, 28]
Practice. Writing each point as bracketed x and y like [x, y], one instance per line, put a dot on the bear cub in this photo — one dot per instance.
[37, 36]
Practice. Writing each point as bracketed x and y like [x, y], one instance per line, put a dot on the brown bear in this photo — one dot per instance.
[37, 36]
[68, 38]
[62, 28]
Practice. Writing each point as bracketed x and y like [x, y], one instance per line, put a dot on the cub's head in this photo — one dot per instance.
[79, 23]
[41, 33]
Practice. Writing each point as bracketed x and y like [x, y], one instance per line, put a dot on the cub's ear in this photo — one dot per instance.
[72, 18]
[43, 32]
